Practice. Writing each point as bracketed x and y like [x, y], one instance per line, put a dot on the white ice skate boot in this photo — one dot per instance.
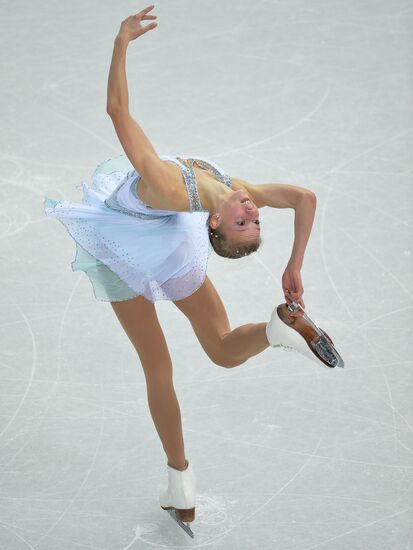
[179, 497]
[300, 333]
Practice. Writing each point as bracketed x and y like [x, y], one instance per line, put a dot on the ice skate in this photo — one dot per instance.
[301, 334]
[179, 497]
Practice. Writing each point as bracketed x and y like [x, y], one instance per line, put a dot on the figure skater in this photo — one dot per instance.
[143, 233]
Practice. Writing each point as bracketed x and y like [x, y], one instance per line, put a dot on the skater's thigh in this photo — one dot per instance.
[208, 317]
[140, 322]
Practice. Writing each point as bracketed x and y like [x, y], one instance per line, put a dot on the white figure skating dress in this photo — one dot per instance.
[129, 249]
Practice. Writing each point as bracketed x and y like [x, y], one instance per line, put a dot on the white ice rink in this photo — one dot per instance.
[287, 455]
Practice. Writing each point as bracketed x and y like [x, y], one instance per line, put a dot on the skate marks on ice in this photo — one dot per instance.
[212, 515]
[144, 532]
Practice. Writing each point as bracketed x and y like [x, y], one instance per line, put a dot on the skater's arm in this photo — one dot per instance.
[275, 195]
[283, 195]
[141, 153]
[303, 222]
[135, 143]
[130, 29]
[117, 91]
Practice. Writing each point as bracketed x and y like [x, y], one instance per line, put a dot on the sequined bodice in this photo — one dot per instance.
[190, 179]
[125, 199]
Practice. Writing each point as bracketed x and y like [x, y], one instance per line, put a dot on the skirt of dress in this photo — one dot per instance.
[160, 258]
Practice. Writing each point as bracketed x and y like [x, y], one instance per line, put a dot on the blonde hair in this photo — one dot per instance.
[223, 247]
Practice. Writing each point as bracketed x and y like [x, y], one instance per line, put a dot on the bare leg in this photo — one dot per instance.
[225, 347]
[245, 341]
[139, 319]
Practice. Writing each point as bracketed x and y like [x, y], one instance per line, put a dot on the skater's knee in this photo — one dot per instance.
[226, 362]
[222, 355]
[157, 372]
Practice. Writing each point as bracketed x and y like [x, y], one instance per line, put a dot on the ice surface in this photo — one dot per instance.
[287, 455]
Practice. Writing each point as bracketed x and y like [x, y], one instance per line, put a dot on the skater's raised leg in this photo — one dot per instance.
[139, 320]
[225, 347]
[230, 348]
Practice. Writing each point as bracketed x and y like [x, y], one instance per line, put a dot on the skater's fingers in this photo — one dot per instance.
[149, 27]
[146, 10]
[292, 297]
[291, 313]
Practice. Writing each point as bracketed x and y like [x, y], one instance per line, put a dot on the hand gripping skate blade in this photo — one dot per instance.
[184, 526]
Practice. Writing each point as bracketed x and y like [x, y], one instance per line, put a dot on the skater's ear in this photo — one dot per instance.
[214, 220]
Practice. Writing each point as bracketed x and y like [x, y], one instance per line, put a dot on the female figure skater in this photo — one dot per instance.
[143, 233]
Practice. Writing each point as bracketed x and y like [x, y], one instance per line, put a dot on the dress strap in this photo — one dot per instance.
[212, 167]
[190, 183]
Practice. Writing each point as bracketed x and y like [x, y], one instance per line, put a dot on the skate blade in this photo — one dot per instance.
[184, 526]
[324, 346]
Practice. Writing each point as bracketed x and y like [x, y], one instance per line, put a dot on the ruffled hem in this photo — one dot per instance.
[107, 286]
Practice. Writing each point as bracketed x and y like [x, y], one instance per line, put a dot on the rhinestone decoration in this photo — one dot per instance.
[190, 180]
[223, 178]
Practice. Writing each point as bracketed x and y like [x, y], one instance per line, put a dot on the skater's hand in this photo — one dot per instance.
[131, 27]
[293, 287]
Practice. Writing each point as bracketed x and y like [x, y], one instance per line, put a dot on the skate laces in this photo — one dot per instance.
[283, 347]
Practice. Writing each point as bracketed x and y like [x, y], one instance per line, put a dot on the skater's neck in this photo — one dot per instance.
[212, 194]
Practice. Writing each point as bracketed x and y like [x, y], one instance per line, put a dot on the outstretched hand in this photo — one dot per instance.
[292, 286]
[131, 27]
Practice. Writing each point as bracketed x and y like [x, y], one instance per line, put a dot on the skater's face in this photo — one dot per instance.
[239, 218]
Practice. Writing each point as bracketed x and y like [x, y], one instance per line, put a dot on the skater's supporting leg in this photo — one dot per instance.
[139, 320]
[225, 347]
